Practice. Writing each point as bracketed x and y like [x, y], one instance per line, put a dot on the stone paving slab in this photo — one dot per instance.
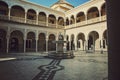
[37, 67]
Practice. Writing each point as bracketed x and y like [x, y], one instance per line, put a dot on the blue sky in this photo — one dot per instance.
[48, 3]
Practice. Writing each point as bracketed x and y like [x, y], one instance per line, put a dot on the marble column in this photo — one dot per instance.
[86, 45]
[25, 37]
[70, 45]
[36, 48]
[37, 17]
[56, 43]
[24, 45]
[46, 20]
[8, 38]
[25, 17]
[101, 45]
[46, 44]
[36, 39]
[9, 13]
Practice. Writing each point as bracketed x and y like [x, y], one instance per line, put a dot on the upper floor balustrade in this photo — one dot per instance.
[42, 23]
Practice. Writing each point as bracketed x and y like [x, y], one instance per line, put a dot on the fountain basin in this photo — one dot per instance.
[61, 55]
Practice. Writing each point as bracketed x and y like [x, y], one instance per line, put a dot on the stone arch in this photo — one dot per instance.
[80, 17]
[30, 42]
[52, 19]
[51, 45]
[61, 21]
[41, 42]
[72, 19]
[80, 41]
[93, 40]
[17, 11]
[103, 9]
[42, 17]
[3, 8]
[67, 39]
[3, 40]
[67, 21]
[31, 14]
[16, 42]
[105, 39]
[92, 13]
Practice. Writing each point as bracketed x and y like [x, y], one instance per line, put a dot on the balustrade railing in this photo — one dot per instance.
[42, 23]
[60, 26]
[31, 21]
[93, 20]
[72, 25]
[81, 23]
[17, 19]
[22, 20]
[51, 25]
[103, 17]
[4, 17]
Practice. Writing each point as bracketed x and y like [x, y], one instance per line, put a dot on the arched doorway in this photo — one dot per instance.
[93, 41]
[51, 45]
[105, 40]
[3, 41]
[80, 41]
[30, 42]
[67, 39]
[72, 42]
[16, 43]
[90, 43]
[41, 42]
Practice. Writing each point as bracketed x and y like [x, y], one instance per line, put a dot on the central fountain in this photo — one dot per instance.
[61, 52]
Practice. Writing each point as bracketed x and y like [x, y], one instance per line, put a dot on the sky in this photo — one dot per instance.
[48, 3]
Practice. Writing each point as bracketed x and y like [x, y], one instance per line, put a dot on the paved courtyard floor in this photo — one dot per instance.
[34, 66]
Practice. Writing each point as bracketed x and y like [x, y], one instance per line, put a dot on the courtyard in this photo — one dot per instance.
[35, 66]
